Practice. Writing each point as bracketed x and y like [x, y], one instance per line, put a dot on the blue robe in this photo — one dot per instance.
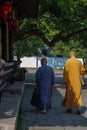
[45, 79]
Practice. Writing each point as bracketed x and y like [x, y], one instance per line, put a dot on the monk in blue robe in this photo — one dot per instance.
[45, 80]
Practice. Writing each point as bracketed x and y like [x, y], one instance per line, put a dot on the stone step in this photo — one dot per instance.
[15, 88]
[9, 107]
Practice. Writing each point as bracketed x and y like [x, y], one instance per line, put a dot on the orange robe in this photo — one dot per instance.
[72, 77]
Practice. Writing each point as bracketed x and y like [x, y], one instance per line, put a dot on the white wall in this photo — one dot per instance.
[34, 62]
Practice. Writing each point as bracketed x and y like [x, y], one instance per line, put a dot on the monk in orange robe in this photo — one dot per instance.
[73, 73]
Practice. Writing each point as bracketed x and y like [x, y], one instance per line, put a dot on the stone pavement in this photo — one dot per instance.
[56, 118]
[29, 118]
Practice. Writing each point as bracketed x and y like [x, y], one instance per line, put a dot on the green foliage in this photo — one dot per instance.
[63, 22]
[63, 49]
[67, 15]
[47, 26]
[28, 47]
[26, 25]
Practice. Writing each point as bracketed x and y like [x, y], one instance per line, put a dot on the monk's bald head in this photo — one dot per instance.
[72, 53]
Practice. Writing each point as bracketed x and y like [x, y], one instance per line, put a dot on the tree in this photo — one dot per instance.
[57, 21]
[27, 47]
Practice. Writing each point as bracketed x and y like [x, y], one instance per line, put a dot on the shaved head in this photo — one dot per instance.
[72, 53]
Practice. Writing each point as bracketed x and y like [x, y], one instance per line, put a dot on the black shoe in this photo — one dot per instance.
[69, 110]
[78, 112]
[43, 111]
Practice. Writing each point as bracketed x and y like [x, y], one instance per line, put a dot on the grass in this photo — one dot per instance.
[19, 115]
[19, 120]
